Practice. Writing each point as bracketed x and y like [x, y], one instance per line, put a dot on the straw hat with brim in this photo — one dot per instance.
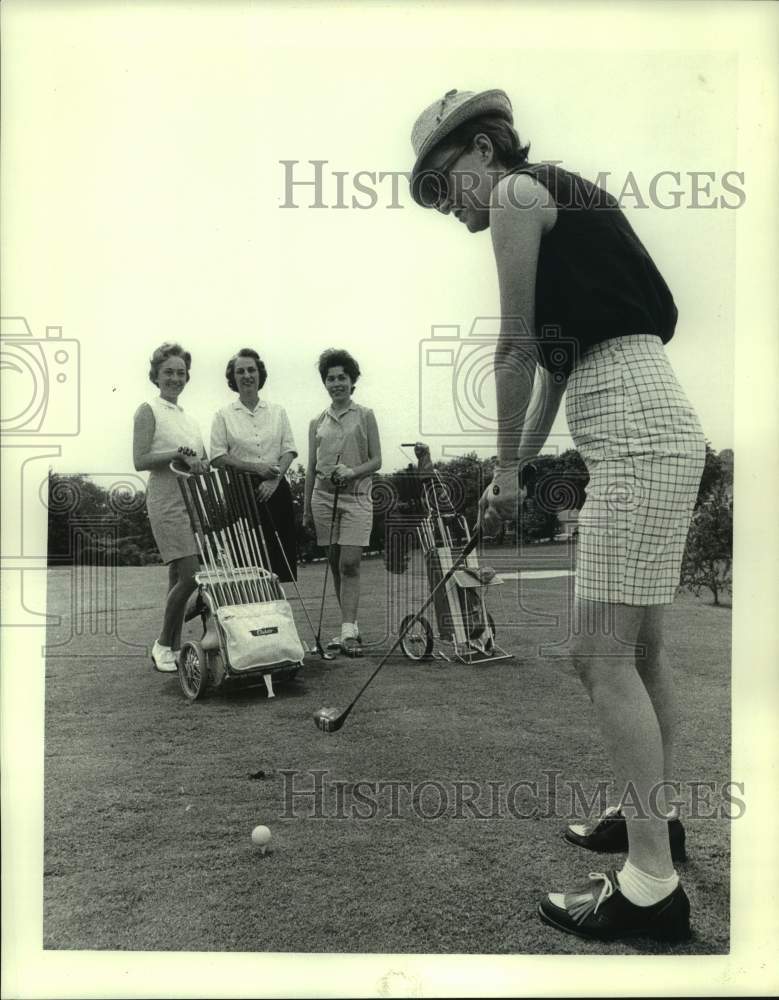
[444, 116]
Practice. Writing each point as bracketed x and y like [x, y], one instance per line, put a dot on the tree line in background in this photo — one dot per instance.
[90, 524]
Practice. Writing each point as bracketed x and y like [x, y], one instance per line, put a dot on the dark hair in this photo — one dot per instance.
[505, 141]
[163, 352]
[245, 352]
[331, 358]
[431, 186]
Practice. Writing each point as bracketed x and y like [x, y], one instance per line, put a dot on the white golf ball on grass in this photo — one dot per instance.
[261, 836]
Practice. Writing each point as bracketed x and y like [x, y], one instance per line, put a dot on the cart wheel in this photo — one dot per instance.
[216, 669]
[193, 670]
[417, 644]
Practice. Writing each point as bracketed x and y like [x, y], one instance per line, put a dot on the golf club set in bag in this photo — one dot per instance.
[456, 593]
[249, 632]
[248, 628]
[460, 609]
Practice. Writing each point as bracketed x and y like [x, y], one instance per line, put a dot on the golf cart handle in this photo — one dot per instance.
[179, 467]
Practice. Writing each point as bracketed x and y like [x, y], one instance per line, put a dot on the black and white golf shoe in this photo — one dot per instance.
[599, 911]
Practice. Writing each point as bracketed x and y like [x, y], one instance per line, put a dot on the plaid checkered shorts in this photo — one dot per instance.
[644, 449]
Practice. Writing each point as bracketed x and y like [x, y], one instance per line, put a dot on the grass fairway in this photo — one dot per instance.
[150, 801]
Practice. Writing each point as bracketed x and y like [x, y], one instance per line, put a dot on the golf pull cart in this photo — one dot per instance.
[249, 634]
[460, 608]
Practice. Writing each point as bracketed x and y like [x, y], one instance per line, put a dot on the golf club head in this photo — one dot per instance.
[329, 720]
[317, 648]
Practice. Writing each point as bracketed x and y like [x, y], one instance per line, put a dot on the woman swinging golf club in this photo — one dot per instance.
[569, 262]
[343, 452]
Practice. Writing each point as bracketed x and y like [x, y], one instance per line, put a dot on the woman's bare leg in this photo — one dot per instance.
[351, 559]
[334, 557]
[178, 596]
[657, 677]
[604, 657]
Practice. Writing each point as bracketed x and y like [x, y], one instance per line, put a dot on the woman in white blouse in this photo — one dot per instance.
[162, 432]
[253, 435]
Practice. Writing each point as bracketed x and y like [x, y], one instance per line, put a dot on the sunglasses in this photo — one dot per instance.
[434, 182]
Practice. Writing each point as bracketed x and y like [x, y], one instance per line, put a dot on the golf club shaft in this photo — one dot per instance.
[329, 546]
[236, 513]
[413, 620]
[242, 561]
[237, 488]
[291, 574]
[197, 513]
[220, 540]
[197, 531]
[253, 506]
[213, 488]
[258, 521]
[231, 536]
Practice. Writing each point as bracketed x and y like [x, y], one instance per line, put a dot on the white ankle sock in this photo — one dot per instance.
[642, 889]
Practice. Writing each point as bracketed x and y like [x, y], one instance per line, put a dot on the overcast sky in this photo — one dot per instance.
[145, 191]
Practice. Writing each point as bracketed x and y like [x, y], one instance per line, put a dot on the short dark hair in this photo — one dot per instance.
[505, 140]
[162, 353]
[245, 352]
[331, 358]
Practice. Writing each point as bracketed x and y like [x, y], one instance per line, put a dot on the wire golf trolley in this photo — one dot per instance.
[248, 629]
[460, 608]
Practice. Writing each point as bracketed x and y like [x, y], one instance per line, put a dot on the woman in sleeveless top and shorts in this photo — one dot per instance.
[163, 432]
[584, 307]
[343, 451]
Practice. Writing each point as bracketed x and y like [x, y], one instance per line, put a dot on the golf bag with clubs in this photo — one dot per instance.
[460, 608]
[248, 629]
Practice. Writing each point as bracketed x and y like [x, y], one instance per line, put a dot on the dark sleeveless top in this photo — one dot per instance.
[595, 279]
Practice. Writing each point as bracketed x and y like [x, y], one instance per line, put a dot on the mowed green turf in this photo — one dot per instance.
[150, 801]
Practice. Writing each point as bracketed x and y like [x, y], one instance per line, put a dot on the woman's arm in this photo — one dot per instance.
[261, 469]
[220, 451]
[144, 459]
[285, 461]
[287, 450]
[310, 469]
[541, 413]
[374, 454]
[520, 215]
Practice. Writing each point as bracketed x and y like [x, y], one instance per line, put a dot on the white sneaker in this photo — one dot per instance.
[163, 659]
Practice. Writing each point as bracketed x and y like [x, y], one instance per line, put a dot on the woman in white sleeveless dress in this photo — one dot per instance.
[163, 432]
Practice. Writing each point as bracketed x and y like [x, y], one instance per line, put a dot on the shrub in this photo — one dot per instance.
[708, 555]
